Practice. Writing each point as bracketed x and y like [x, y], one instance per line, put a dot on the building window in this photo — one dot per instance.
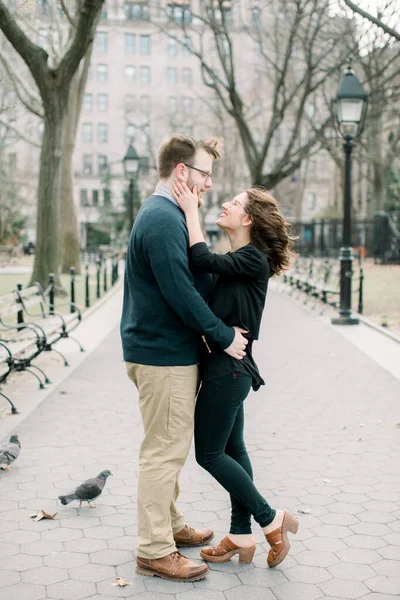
[312, 200]
[187, 76]
[103, 14]
[136, 11]
[179, 13]
[87, 101]
[87, 132]
[172, 47]
[95, 197]
[89, 73]
[101, 41]
[144, 45]
[41, 39]
[187, 104]
[102, 164]
[172, 75]
[12, 161]
[145, 104]
[87, 164]
[102, 101]
[223, 15]
[172, 105]
[40, 130]
[255, 16]
[186, 45]
[102, 132]
[101, 72]
[130, 43]
[130, 73]
[130, 133]
[106, 196]
[129, 103]
[144, 74]
[83, 198]
[144, 134]
[144, 165]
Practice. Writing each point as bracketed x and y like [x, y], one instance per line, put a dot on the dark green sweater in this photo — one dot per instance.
[164, 312]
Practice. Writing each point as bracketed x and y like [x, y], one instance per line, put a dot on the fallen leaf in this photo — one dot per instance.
[344, 427]
[327, 480]
[359, 440]
[362, 424]
[281, 489]
[121, 582]
[304, 511]
[43, 515]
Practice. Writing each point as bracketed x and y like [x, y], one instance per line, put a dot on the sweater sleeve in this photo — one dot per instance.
[167, 250]
[244, 263]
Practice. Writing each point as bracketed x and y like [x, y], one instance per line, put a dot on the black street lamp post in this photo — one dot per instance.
[350, 107]
[131, 168]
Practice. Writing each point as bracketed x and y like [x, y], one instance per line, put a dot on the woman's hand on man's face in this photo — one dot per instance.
[187, 200]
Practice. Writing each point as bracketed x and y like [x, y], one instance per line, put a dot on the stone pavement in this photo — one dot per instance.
[323, 436]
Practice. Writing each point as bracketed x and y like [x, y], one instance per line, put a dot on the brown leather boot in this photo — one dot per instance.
[189, 537]
[173, 567]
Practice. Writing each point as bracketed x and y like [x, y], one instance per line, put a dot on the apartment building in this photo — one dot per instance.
[143, 84]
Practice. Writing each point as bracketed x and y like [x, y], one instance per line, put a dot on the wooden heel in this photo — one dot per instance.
[246, 554]
[291, 523]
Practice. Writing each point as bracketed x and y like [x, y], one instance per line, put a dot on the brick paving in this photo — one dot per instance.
[323, 436]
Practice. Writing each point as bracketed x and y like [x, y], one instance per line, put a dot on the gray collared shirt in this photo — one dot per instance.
[163, 190]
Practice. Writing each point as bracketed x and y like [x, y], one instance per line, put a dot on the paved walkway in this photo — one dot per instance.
[323, 436]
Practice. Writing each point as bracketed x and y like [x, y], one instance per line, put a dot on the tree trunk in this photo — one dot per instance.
[69, 237]
[48, 213]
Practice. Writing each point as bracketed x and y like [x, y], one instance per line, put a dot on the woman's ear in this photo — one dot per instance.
[247, 221]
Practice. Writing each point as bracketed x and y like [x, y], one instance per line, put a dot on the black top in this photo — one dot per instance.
[237, 298]
[164, 312]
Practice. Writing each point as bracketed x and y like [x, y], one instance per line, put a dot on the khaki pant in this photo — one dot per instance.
[167, 398]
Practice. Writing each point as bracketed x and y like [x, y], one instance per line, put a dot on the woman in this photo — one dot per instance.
[260, 247]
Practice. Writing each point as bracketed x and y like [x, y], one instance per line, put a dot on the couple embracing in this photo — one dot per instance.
[190, 317]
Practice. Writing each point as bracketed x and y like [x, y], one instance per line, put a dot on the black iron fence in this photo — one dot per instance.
[378, 238]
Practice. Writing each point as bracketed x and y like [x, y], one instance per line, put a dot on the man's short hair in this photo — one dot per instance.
[181, 148]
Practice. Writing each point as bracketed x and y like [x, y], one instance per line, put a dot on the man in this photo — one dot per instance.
[164, 318]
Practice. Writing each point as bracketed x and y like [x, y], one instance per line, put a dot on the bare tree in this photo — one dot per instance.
[376, 20]
[54, 85]
[268, 64]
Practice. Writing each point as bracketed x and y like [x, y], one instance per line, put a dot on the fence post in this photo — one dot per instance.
[20, 313]
[51, 294]
[105, 275]
[98, 261]
[361, 291]
[72, 272]
[87, 297]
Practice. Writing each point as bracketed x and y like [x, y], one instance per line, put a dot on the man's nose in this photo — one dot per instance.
[209, 183]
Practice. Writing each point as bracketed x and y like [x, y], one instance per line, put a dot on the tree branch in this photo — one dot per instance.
[29, 101]
[363, 13]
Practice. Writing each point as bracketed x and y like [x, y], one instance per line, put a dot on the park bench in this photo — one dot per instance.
[38, 306]
[20, 344]
[320, 279]
[29, 326]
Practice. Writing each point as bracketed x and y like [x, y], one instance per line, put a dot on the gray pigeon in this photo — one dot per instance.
[88, 490]
[9, 452]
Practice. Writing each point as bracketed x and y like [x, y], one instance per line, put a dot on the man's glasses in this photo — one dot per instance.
[208, 175]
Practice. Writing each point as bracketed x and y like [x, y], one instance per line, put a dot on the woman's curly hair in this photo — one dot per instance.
[270, 232]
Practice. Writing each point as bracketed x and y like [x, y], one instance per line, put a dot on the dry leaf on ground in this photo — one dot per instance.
[121, 582]
[326, 480]
[43, 515]
[304, 511]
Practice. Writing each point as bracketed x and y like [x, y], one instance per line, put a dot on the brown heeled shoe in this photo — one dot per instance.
[225, 550]
[278, 540]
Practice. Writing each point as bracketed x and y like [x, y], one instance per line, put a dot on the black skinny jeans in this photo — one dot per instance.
[220, 448]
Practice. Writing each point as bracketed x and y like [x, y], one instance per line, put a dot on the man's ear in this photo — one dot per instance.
[180, 171]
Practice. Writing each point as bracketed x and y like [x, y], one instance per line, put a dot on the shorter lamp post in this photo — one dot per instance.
[350, 106]
[131, 167]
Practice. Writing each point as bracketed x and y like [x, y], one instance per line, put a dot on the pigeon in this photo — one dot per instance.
[9, 452]
[88, 490]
